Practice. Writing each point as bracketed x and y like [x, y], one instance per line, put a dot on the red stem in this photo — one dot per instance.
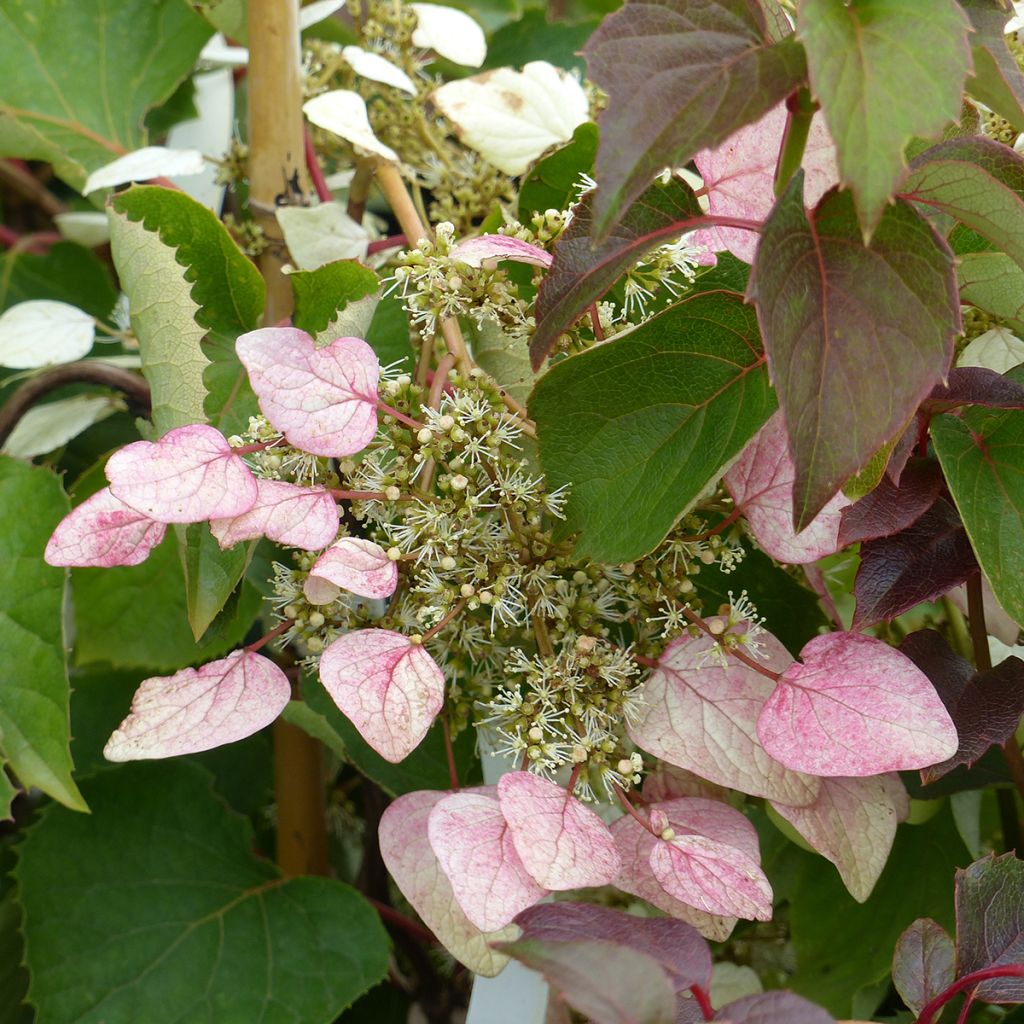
[929, 1011]
[391, 242]
[628, 807]
[965, 1009]
[407, 924]
[400, 416]
[703, 1001]
[453, 773]
[716, 529]
[738, 655]
[434, 630]
[316, 174]
[280, 628]
[248, 449]
[595, 322]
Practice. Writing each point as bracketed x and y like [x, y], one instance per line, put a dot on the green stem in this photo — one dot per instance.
[800, 108]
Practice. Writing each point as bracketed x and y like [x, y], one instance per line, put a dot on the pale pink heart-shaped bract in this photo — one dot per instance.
[352, 564]
[486, 250]
[853, 823]
[301, 517]
[407, 854]
[855, 706]
[191, 474]
[103, 531]
[761, 483]
[198, 709]
[473, 843]
[712, 876]
[389, 688]
[740, 177]
[702, 717]
[563, 844]
[324, 400]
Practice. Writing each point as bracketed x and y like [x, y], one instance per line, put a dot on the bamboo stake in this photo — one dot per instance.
[277, 174]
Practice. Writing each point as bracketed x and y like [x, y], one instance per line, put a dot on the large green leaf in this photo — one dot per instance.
[582, 272]
[552, 182]
[425, 768]
[13, 976]
[993, 282]
[841, 945]
[211, 575]
[34, 695]
[997, 81]
[680, 77]
[154, 909]
[137, 616]
[883, 74]
[79, 76]
[66, 272]
[638, 427]
[321, 294]
[982, 456]
[977, 181]
[856, 335]
[221, 292]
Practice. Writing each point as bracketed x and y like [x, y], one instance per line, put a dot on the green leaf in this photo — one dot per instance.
[533, 37]
[321, 294]
[977, 181]
[136, 616]
[154, 909]
[883, 74]
[425, 768]
[856, 335]
[388, 334]
[66, 272]
[993, 282]
[80, 75]
[8, 791]
[982, 456]
[680, 77]
[228, 16]
[504, 356]
[197, 292]
[997, 80]
[303, 717]
[582, 273]
[35, 730]
[551, 183]
[211, 575]
[13, 976]
[638, 427]
[851, 945]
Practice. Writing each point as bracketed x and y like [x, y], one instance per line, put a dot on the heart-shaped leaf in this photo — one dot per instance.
[761, 483]
[703, 717]
[41, 332]
[773, 1008]
[829, 307]
[189, 475]
[855, 706]
[352, 564]
[923, 963]
[562, 843]
[853, 823]
[484, 250]
[103, 531]
[407, 854]
[892, 507]
[474, 846]
[389, 688]
[301, 517]
[198, 709]
[450, 33]
[323, 400]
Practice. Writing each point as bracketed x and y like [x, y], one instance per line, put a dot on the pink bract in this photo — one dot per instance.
[855, 706]
[703, 718]
[389, 688]
[563, 844]
[712, 877]
[301, 517]
[761, 484]
[353, 564]
[189, 475]
[486, 250]
[474, 846]
[197, 709]
[853, 823]
[324, 400]
[740, 177]
[408, 856]
[103, 531]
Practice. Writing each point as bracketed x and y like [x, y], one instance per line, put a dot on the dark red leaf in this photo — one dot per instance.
[773, 1008]
[975, 385]
[892, 507]
[986, 707]
[857, 336]
[680, 77]
[990, 923]
[582, 273]
[917, 564]
[678, 947]
[923, 963]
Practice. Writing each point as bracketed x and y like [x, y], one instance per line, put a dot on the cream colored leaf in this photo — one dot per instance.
[42, 332]
[344, 113]
[450, 33]
[316, 235]
[378, 69]
[144, 165]
[46, 427]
